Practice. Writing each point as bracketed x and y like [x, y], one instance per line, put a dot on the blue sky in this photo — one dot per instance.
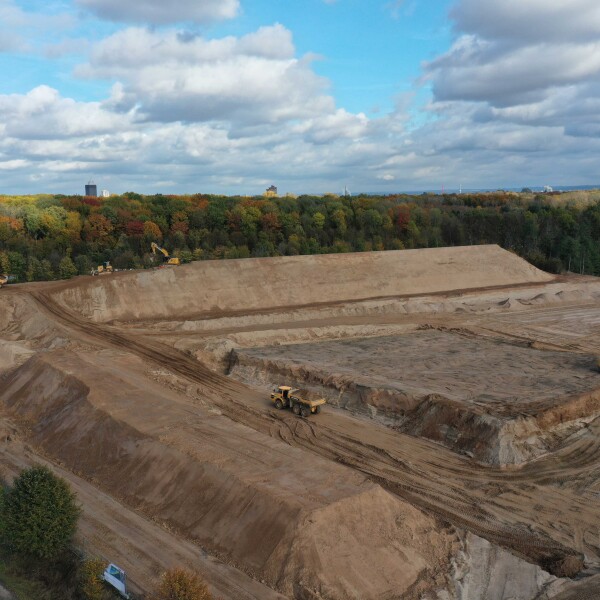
[233, 95]
[369, 51]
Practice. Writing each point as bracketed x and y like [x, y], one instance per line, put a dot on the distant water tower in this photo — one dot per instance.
[91, 189]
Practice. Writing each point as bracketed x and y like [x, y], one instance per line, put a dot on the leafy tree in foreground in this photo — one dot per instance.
[181, 584]
[40, 514]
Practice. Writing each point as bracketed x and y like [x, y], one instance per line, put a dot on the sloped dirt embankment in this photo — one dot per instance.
[380, 544]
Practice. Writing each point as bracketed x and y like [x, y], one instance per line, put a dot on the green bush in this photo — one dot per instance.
[39, 515]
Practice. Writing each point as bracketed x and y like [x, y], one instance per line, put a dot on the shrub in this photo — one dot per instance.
[90, 579]
[182, 584]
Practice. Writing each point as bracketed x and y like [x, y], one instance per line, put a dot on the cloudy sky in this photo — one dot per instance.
[230, 96]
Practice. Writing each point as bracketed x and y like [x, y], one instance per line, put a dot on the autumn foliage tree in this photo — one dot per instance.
[91, 586]
[182, 584]
[37, 232]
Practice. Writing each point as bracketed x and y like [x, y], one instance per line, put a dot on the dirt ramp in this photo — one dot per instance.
[263, 284]
[308, 528]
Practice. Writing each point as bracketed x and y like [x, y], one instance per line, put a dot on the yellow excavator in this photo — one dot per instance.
[3, 280]
[168, 259]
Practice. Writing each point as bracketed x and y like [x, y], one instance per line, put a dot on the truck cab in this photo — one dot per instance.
[117, 579]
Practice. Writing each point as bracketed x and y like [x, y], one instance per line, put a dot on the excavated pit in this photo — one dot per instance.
[435, 384]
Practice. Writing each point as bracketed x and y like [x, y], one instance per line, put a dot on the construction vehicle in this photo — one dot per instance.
[116, 578]
[286, 397]
[169, 260]
[103, 269]
[3, 280]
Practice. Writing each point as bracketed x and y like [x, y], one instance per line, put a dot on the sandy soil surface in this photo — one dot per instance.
[434, 384]
[446, 363]
[340, 505]
[213, 287]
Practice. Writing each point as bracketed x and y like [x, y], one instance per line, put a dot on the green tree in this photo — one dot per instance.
[83, 264]
[319, 220]
[39, 514]
[46, 271]
[34, 269]
[67, 268]
[18, 265]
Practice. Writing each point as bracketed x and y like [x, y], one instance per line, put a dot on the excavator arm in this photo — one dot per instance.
[156, 247]
[170, 261]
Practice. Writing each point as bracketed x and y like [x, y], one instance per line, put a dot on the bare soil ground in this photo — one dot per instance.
[484, 484]
[445, 363]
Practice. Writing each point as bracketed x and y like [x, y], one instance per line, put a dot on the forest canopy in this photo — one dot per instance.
[56, 237]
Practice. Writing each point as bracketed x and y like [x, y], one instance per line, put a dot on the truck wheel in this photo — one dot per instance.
[317, 410]
[296, 409]
[304, 412]
[278, 404]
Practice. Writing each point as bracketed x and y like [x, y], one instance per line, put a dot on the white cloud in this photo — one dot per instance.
[248, 80]
[529, 21]
[335, 126]
[533, 63]
[187, 113]
[44, 114]
[481, 71]
[161, 12]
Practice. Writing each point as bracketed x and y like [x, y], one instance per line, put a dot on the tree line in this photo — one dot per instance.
[56, 237]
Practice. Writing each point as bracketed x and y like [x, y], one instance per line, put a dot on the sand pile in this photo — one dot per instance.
[263, 284]
[306, 526]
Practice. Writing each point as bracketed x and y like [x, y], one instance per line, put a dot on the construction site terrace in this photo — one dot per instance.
[456, 457]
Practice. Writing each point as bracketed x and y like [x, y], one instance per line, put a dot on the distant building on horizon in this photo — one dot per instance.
[91, 189]
[105, 194]
[271, 192]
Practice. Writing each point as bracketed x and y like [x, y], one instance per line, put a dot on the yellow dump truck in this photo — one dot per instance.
[286, 397]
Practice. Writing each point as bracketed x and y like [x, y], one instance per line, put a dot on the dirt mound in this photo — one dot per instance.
[324, 540]
[309, 528]
[263, 284]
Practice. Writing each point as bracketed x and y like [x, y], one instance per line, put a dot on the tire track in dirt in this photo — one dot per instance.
[422, 473]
